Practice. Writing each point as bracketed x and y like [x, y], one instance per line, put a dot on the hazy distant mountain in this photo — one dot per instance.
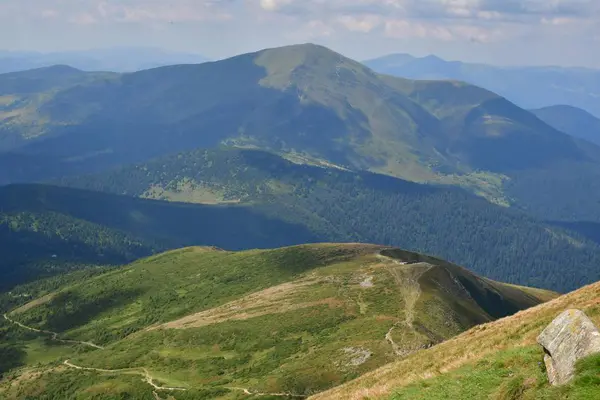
[574, 121]
[122, 59]
[528, 87]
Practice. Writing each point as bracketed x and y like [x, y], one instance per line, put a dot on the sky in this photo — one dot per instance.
[501, 32]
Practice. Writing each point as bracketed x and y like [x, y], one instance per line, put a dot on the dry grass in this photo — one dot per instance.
[518, 330]
[32, 304]
[25, 377]
[188, 191]
[274, 300]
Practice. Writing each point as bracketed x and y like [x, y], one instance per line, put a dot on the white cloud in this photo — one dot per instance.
[273, 5]
[83, 18]
[404, 29]
[229, 26]
[363, 24]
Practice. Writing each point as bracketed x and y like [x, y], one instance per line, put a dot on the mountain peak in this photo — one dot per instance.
[302, 47]
[433, 60]
[301, 53]
[314, 62]
[54, 70]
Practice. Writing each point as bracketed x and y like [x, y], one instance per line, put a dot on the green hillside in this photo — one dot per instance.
[341, 206]
[294, 320]
[303, 100]
[498, 360]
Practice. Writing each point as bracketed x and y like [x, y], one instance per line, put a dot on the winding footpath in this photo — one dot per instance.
[249, 393]
[138, 371]
[146, 377]
[408, 284]
[54, 335]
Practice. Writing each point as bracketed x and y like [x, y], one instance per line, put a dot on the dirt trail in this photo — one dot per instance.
[138, 371]
[149, 380]
[146, 377]
[54, 335]
[407, 280]
[249, 393]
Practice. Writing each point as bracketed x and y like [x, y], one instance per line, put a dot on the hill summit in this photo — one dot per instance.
[294, 320]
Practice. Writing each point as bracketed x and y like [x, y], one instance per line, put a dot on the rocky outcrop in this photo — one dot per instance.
[570, 337]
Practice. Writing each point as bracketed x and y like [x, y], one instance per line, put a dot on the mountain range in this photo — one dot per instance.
[529, 87]
[304, 100]
[203, 231]
[118, 59]
[338, 205]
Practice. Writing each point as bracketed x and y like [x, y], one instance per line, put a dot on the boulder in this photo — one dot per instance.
[570, 337]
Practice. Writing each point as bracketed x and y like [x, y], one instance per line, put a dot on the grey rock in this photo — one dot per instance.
[570, 337]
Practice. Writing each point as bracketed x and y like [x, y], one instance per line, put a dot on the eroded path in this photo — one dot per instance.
[54, 335]
[249, 393]
[143, 372]
[407, 278]
[137, 371]
[150, 380]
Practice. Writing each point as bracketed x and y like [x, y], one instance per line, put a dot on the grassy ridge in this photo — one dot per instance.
[166, 286]
[297, 320]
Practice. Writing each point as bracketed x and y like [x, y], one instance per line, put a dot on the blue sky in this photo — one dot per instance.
[505, 32]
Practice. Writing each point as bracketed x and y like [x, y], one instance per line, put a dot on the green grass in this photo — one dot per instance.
[516, 374]
[116, 304]
[299, 319]
[45, 351]
[500, 360]
[78, 385]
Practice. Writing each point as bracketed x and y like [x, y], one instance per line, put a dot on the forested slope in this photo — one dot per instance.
[46, 230]
[338, 205]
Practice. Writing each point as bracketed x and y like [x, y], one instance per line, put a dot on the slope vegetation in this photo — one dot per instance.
[499, 360]
[303, 100]
[46, 230]
[290, 321]
[340, 206]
